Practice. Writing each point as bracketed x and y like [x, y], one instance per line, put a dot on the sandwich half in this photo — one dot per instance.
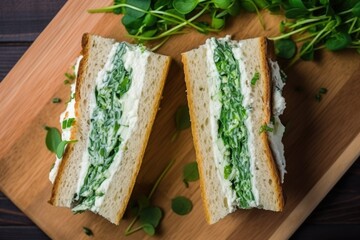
[234, 94]
[113, 105]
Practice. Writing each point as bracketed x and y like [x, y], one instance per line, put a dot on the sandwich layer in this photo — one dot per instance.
[121, 104]
[228, 86]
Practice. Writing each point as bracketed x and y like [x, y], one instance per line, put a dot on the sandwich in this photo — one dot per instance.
[113, 104]
[234, 92]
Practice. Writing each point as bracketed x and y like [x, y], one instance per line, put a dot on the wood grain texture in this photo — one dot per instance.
[311, 145]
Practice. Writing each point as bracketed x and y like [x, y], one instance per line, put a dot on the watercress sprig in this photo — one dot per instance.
[149, 215]
[147, 20]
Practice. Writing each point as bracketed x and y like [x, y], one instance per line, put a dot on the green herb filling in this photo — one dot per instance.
[232, 129]
[105, 137]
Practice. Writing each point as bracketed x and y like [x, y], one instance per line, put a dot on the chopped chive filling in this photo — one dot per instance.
[105, 135]
[232, 129]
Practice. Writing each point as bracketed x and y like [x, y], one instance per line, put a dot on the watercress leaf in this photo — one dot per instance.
[191, 172]
[307, 54]
[234, 9]
[132, 24]
[56, 100]
[185, 6]
[142, 5]
[222, 4]
[150, 215]
[323, 90]
[182, 118]
[148, 229]
[356, 10]
[162, 4]
[149, 20]
[88, 231]
[294, 13]
[324, 2]
[181, 205]
[53, 138]
[297, 4]
[61, 147]
[262, 4]
[285, 48]
[149, 33]
[171, 19]
[338, 41]
[249, 6]
[217, 23]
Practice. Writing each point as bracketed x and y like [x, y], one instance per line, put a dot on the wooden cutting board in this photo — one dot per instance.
[322, 139]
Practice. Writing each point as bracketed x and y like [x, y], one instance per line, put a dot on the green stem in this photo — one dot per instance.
[326, 30]
[345, 12]
[352, 25]
[130, 231]
[305, 21]
[160, 44]
[315, 8]
[182, 20]
[305, 38]
[300, 30]
[172, 30]
[163, 174]
[113, 7]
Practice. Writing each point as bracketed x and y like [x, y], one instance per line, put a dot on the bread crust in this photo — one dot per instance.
[144, 144]
[199, 157]
[86, 40]
[266, 78]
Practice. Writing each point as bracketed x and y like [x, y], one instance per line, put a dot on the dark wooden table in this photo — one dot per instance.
[21, 21]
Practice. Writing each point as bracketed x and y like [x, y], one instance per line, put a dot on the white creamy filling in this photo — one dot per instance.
[278, 107]
[136, 60]
[92, 105]
[247, 91]
[215, 110]
[68, 113]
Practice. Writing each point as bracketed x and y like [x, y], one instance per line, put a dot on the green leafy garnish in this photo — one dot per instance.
[285, 48]
[181, 205]
[53, 138]
[70, 77]
[150, 216]
[88, 231]
[322, 24]
[105, 130]
[182, 120]
[61, 147]
[56, 100]
[265, 128]
[66, 123]
[320, 93]
[231, 123]
[148, 229]
[255, 78]
[315, 25]
[190, 173]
